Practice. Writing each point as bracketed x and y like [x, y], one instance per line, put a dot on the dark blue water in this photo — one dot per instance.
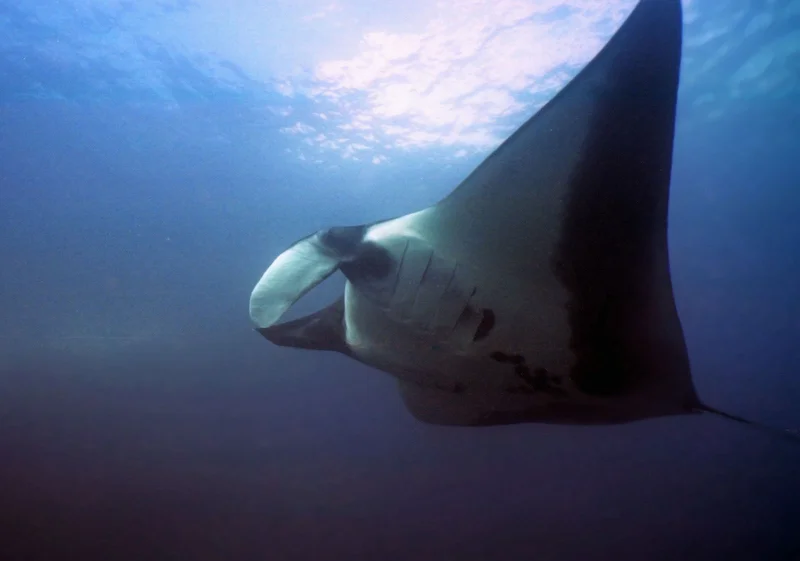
[142, 418]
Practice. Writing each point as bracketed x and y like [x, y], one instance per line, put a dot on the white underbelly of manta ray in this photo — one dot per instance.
[425, 321]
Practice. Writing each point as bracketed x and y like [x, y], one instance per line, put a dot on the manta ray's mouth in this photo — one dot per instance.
[322, 330]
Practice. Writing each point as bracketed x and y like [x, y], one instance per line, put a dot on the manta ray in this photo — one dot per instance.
[538, 290]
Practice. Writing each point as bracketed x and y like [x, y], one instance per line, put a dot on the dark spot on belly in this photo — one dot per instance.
[540, 380]
[486, 325]
[509, 359]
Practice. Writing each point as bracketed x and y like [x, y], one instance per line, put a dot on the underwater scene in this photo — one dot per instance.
[345, 280]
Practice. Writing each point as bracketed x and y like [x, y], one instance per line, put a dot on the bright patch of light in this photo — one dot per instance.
[452, 83]
[358, 80]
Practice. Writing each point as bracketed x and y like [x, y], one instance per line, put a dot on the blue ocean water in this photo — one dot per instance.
[155, 157]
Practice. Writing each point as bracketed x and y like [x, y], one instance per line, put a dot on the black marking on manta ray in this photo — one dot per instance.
[500, 356]
[542, 380]
[425, 271]
[468, 310]
[487, 321]
[485, 326]
[539, 381]
[423, 277]
[456, 387]
[398, 269]
[450, 281]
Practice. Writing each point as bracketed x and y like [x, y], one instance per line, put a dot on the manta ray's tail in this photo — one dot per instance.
[793, 434]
